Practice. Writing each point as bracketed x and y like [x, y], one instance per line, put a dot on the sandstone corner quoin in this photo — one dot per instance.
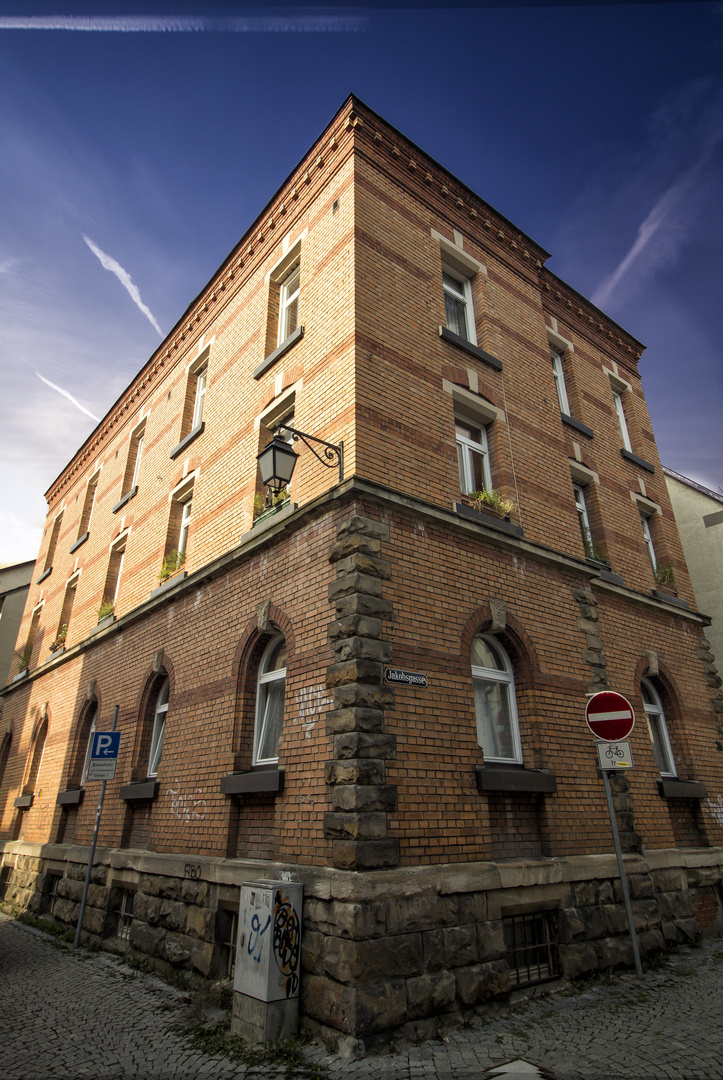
[446, 820]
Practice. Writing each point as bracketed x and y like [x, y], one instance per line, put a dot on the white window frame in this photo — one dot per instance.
[266, 679]
[505, 679]
[466, 448]
[582, 515]
[620, 411]
[658, 729]
[558, 374]
[159, 728]
[649, 546]
[289, 291]
[201, 377]
[185, 523]
[462, 295]
[138, 439]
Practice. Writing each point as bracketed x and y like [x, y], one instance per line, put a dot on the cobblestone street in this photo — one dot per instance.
[70, 1015]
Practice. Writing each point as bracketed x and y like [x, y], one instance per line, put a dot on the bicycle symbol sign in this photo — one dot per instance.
[614, 755]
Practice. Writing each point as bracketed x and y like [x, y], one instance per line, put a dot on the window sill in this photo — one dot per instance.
[260, 526]
[278, 352]
[126, 498]
[169, 582]
[681, 789]
[582, 428]
[24, 802]
[490, 520]
[629, 456]
[258, 781]
[145, 791]
[511, 778]
[20, 675]
[467, 346]
[81, 540]
[45, 574]
[193, 434]
[107, 621]
[71, 797]
[670, 598]
[604, 570]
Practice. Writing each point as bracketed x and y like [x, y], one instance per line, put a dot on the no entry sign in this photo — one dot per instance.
[610, 716]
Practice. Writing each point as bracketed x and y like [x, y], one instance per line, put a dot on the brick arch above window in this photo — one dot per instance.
[249, 651]
[155, 677]
[89, 711]
[514, 637]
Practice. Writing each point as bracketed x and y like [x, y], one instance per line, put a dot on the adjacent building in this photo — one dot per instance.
[375, 685]
[14, 586]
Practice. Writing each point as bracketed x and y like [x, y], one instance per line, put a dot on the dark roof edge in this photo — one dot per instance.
[693, 484]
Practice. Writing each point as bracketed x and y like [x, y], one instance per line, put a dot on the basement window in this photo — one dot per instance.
[530, 943]
[125, 915]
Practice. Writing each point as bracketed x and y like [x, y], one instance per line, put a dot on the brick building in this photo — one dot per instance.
[452, 837]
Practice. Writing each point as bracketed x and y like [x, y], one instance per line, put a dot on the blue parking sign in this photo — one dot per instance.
[105, 745]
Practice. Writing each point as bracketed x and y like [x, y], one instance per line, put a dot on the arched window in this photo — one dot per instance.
[37, 760]
[160, 711]
[658, 728]
[498, 731]
[270, 703]
[4, 755]
[88, 730]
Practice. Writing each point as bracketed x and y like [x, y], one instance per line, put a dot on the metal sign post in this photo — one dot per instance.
[611, 714]
[103, 751]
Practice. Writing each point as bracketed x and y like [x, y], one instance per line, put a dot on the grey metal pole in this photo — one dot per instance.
[76, 943]
[621, 871]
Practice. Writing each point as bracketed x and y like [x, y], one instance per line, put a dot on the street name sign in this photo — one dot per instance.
[609, 716]
[103, 755]
[399, 677]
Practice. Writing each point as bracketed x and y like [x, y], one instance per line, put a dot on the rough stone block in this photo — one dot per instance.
[363, 797]
[421, 913]
[606, 893]
[360, 744]
[358, 562]
[365, 854]
[359, 1011]
[350, 826]
[427, 994]
[460, 946]
[432, 950]
[199, 923]
[94, 920]
[354, 672]
[595, 922]
[670, 933]
[579, 959]
[146, 939]
[364, 525]
[175, 950]
[648, 912]
[490, 941]
[364, 649]
[669, 880]
[570, 925]
[69, 889]
[355, 771]
[675, 906]
[334, 918]
[194, 892]
[202, 957]
[351, 543]
[312, 950]
[66, 911]
[616, 919]
[615, 952]
[689, 929]
[364, 584]
[354, 963]
[482, 982]
[364, 626]
[341, 721]
[362, 604]
[472, 907]
[363, 695]
[651, 943]
[97, 896]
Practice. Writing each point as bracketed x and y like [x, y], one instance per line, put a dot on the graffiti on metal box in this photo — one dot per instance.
[286, 941]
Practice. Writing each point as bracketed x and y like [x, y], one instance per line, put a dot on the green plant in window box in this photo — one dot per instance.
[59, 642]
[270, 502]
[595, 550]
[23, 655]
[664, 575]
[172, 563]
[106, 608]
[491, 501]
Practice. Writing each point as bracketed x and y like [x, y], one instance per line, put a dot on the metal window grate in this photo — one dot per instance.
[125, 915]
[531, 948]
[230, 943]
[53, 892]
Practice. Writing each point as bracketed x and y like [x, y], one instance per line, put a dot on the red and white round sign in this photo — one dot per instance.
[610, 716]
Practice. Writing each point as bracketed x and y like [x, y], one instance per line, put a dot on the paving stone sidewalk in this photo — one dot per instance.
[73, 1015]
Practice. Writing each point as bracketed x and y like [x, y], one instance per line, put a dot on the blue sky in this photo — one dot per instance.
[132, 158]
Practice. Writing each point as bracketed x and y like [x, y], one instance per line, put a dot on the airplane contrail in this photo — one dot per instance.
[109, 263]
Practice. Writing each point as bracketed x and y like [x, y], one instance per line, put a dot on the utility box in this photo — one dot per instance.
[268, 961]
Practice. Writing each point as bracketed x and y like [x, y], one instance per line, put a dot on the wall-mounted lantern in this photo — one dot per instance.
[278, 459]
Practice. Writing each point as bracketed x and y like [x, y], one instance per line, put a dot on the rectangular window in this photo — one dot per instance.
[179, 524]
[289, 303]
[65, 615]
[125, 915]
[583, 519]
[531, 948]
[472, 458]
[620, 411]
[133, 463]
[648, 538]
[559, 377]
[50, 555]
[89, 503]
[185, 522]
[200, 395]
[113, 577]
[458, 305]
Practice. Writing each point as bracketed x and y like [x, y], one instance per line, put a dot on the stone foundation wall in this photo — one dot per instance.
[386, 954]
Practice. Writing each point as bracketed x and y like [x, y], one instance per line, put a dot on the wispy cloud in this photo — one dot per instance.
[68, 396]
[664, 230]
[109, 263]
[247, 24]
